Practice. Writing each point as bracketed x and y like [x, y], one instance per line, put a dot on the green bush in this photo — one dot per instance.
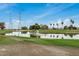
[32, 35]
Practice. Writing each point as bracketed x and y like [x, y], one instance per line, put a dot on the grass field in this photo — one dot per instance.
[7, 40]
[59, 42]
[60, 31]
[2, 32]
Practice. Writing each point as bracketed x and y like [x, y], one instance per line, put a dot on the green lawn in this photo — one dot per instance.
[60, 31]
[4, 40]
[2, 32]
[58, 42]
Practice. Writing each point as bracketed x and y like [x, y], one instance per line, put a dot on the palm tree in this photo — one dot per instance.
[57, 24]
[72, 22]
[62, 23]
[53, 26]
[50, 25]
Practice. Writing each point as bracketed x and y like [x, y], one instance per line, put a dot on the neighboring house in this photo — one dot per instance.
[2, 25]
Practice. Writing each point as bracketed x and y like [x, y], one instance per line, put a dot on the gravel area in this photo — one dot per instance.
[30, 49]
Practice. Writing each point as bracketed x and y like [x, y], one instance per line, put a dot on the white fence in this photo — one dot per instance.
[44, 36]
[18, 34]
[58, 36]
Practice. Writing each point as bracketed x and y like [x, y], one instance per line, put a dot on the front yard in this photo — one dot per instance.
[58, 42]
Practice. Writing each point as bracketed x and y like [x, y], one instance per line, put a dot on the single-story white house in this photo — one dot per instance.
[58, 36]
[44, 36]
[18, 34]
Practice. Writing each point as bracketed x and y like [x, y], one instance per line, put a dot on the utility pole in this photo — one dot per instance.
[19, 22]
[10, 24]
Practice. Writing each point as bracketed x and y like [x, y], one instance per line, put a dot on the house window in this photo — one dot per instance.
[50, 35]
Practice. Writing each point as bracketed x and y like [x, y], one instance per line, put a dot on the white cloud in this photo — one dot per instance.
[75, 18]
[67, 22]
[50, 11]
[7, 25]
[36, 18]
[41, 16]
[14, 24]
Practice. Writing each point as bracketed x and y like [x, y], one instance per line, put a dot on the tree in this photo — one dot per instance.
[57, 25]
[50, 25]
[2, 25]
[53, 26]
[44, 27]
[35, 27]
[71, 26]
[24, 28]
[72, 22]
[62, 23]
[74, 27]
[65, 27]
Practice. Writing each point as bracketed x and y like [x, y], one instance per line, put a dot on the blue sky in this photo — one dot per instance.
[42, 13]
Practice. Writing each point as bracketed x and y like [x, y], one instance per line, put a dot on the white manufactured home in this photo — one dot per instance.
[18, 34]
[58, 36]
[44, 36]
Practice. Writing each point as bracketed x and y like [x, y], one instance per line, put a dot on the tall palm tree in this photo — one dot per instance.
[50, 25]
[53, 26]
[57, 25]
[72, 22]
[62, 23]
